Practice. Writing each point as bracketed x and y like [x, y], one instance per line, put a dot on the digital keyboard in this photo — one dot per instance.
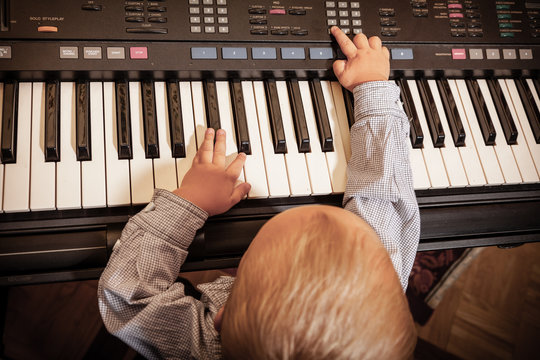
[103, 101]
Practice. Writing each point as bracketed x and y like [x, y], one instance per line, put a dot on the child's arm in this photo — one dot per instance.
[138, 298]
[379, 186]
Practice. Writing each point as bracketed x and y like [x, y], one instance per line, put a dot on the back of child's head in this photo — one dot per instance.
[317, 284]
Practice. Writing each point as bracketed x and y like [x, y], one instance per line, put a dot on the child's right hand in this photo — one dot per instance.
[367, 60]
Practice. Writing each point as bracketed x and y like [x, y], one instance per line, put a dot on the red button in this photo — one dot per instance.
[456, 15]
[277, 11]
[455, 6]
[138, 52]
[459, 54]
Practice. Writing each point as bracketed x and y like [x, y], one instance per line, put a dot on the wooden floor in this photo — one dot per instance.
[491, 312]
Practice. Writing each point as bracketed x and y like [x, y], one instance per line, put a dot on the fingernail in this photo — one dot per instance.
[209, 131]
[221, 132]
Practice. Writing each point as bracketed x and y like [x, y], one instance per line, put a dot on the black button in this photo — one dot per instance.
[279, 32]
[476, 34]
[471, 6]
[157, 19]
[420, 12]
[474, 25]
[389, 33]
[134, 8]
[134, 18]
[146, 30]
[259, 32]
[534, 16]
[157, 8]
[457, 24]
[297, 12]
[473, 15]
[535, 24]
[458, 34]
[301, 32]
[258, 21]
[91, 7]
[387, 12]
[257, 11]
[388, 23]
[419, 4]
[535, 33]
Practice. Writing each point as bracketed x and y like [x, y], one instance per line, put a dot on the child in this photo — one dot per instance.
[317, 282]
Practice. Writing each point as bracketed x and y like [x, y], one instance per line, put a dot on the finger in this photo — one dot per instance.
[339, 67]
[361, 41]
[206, 151]
[240, 192]
[346, 45]
[375, 42]
[386, 52]
[219, 148]
[235, 168]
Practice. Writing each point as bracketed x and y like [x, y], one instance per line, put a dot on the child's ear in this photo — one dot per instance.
[218, 318]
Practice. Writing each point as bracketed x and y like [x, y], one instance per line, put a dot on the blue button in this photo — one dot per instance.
[293, 53]
[321, 53]
[234, 53]
[402, 54]
[203, 53]
[263, 53]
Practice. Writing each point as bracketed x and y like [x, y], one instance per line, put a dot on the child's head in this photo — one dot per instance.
[317, 283]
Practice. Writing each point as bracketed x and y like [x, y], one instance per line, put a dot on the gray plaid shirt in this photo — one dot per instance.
[141, 303]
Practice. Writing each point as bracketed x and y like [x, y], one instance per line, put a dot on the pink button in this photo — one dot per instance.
[456, 15]
[138, 52]
[455, 6]
[277, 11]
[459, 54]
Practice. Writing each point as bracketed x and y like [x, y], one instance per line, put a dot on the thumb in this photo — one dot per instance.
[240, 192]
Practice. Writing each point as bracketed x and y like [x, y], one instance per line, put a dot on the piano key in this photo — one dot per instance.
[276, 170]
[432, 155]
[274, 114]
[416, 133]
[239, 116]
[451, 112]
[504, 153]
[151, 141]
[315, 159]
[450, 153]
[487, 156]
[83, 122]
[52, 121]
[254, 169]
[321, 116]
[295, 161]
[530, 173]
[141, 169]
[68, 169]
[534, 86]
[117, 174]
[529, 104]
[468, 152]
[348, 98]
[342, 118]
[482, 115]
[165, 165]
[336, 160]
[199, 111]
[43, 174]
[123, 121]
[93, 186]
[175, 119]
[298, 116]
[1, 165]
[430, 111]
[8, 153]
[17, 175]
[184, 164]
[211, 105]
[508, 128]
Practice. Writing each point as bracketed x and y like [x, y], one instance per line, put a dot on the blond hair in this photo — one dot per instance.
[323, 293]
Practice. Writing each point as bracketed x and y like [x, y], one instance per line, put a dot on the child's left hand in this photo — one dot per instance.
[208, 184]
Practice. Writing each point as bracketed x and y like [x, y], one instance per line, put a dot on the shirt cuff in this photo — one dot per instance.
[375, 98]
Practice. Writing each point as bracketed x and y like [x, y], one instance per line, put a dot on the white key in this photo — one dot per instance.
[93, 171]
[295, 161]
[254, 166]
[342, 120]
[336, 160]
[432, 155]
[17, 175]
[276, 171]
[1, 165]
[226, 120]
[199, 111]
[316, 159]
[142, 178]
[469, 155]
[502, 149]
[165, 165]
[518, 112]
[184, 164]
[117, 170]
[43, 179]
[452, 159]
[68, 169]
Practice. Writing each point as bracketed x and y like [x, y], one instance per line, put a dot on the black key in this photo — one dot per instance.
[298, 115]
[503, 112]
[9, 123]
[417, 136]
[274, 115]
[240, 119]
[176, 126]
[82, 123]
[530, 107]
[348, 98]
[432, 116]
[151, 142]
[321, 116]
[52, 121]
[482, 114]
[452, 113]
[211, 105]
[123, 122]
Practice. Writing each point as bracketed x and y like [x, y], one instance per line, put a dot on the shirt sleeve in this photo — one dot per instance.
[380, 186]
[138, 298]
